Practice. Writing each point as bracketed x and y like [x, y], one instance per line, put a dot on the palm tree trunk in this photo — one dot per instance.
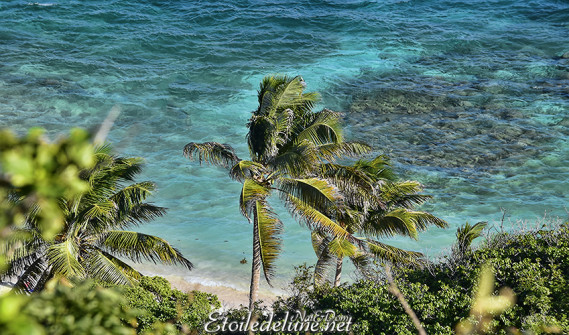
[338, 271]
[256, 264]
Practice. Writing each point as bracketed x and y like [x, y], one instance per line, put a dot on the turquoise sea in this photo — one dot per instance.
[469, 97]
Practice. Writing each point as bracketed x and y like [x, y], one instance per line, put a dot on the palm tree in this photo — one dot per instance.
[465, 235]
[376, 205]
[287, 142]
[93, 238]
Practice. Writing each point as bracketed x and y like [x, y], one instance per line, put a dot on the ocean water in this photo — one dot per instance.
[469, 97]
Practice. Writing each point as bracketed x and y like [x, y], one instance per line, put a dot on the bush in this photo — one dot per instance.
[535, 265]
[161, 303]
[63, 309]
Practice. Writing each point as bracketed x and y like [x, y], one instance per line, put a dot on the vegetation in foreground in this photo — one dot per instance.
[533, 264]
[60, 205]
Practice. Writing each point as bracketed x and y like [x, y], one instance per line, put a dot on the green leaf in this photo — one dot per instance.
[212, 152]
[251, 192]
[103, 266]
[270, 229]
[138, 247]
[64, 259]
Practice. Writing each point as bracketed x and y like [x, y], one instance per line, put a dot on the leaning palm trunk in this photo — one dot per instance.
[256, 265]
[338, 271]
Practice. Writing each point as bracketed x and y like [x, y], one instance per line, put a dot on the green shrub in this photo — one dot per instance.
[65, 309]
[535, 265]
[161, 303]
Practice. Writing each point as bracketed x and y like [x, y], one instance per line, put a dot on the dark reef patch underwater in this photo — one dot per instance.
[483, 125]
[469, 97]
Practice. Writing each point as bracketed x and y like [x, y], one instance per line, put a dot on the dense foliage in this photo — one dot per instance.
[34, 170]
[65, 309]
[535, 265]
[161, 303]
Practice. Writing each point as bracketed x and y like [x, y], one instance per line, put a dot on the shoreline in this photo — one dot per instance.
[229, 297]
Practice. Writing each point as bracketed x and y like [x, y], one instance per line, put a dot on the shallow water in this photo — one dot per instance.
[468, 97]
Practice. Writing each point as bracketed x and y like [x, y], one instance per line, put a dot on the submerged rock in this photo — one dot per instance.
[441, 131]
[388, 100]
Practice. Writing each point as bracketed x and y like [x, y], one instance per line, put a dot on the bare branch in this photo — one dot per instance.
[395, 291]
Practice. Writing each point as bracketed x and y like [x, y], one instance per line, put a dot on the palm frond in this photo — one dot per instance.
[137, 214]
[104, 149]
[346, 176]
[125, 168]
[21, 260]
[317, 193]
[361, 261]
[270, 227]
[342, 248]
[212, 152]
[115, 168]
[466, 234]
[17, 238]
[392, 191]
[392, 254]
[30, 221]
[332, 151]
[357, 188]
[284, 124]
[133, 194]
[396, 222]
[251, 192]
[281, 92]
[127, 269]
[246, 169]
[378, 168]
[129, 208]
[314, 219]
[324, 129]
[295, 160]
[138, 247]
[103, 266]
[424, 220]
[409, 201]
[63, 259]
[33, 277]
[307, 104]
[102, 211]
